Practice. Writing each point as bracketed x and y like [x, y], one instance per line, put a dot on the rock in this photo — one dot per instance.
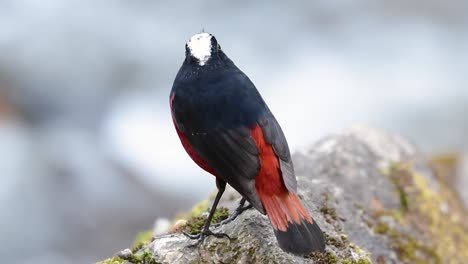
[372, 193]
[126, 253]
[462, 180]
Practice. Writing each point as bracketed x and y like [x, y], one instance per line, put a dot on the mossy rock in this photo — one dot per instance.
[434, 214]
[375, 197]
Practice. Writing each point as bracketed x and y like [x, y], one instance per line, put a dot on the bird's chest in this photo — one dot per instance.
[213, 109]
[204, 109]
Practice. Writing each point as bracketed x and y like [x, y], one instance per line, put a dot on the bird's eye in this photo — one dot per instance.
[219, 47]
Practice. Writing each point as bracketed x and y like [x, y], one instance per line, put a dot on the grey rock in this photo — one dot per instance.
[345, 182]
[126, 253]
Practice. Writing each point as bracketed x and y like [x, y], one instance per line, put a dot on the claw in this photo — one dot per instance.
[197, 236]
[204, 234]
[234, 215]
[221, 235]
[206, 227]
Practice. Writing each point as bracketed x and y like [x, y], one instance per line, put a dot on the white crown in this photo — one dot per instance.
[200, 47]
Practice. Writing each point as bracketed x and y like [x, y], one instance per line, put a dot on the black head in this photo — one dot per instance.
[202, 49]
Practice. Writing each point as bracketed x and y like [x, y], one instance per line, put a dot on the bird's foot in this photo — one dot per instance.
[204, 234]
[234, 215]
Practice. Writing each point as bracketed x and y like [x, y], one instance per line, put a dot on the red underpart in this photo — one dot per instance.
[191, 151]
[281, 205]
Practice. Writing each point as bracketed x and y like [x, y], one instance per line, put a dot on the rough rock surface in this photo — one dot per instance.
[372, 193]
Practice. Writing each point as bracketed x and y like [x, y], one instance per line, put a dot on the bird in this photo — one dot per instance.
[228, 130]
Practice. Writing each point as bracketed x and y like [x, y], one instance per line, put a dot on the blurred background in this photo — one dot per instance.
[88, 153]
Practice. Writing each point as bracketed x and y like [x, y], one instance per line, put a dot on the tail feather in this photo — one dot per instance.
[301, 239]
[294, 228]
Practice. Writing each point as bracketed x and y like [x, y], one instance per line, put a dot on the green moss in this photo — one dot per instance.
[113, 260]
[220, 214]
[195, 219]
[344, 238]
[357, 249]
[381, 228]
[326, 257]
[329, 257]
[147, 258]
[333, 241]
[435, 216]
[347, 252]
[143, 238]
[357, 261]
[329, 213]
[195, 224]
[144, 258]
[400, 177]
[403, 197]
[448, 229]
[410, 250]
[137, 247]
[340, 249]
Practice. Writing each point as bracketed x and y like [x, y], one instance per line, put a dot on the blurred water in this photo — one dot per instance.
[90, 81]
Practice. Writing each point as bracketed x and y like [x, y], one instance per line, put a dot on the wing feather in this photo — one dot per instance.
[234, 156]
[275, 136]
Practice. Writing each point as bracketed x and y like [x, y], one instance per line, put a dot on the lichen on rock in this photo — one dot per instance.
[433, 213]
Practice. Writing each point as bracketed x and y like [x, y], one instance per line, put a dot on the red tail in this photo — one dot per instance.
[294, 228]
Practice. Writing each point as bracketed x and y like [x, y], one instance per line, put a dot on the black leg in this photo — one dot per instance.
[239, 210]
[206, 228]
